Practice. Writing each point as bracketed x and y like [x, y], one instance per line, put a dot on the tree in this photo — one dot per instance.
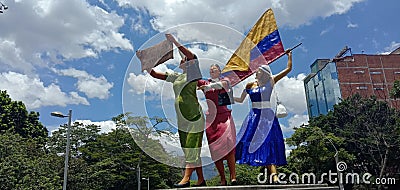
[80, 135]
[15, 118]
[395, 91]
[142, 131]
[371, 130]
[314, 153]
[24, 161]
[24, 164]
[78, 168]
[110, 160]
[365, 131]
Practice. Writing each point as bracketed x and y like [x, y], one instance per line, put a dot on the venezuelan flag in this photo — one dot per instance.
[261, 46]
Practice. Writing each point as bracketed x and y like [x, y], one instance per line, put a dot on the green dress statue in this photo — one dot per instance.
[189, 114]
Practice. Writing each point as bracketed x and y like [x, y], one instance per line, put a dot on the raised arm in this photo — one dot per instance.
[158, 75]
[284, 72]
[189, 55]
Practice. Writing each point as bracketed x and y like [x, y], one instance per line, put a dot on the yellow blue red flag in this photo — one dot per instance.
[261, 46]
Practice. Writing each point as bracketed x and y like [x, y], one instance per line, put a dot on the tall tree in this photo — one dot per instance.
[15, 118]
[143, 132]
[80, 135]
[78, 168]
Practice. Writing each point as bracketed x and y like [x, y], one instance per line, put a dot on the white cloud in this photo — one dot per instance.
[57, 31]
[142, 83]
[292, 94]
[392, 46]
[10, 55]
[93, 87]
[351, 25]
[213, 55]
[326, 30]
[292, 13]
[298, 120]
[137, 24]
[34, 93]
[105, 126]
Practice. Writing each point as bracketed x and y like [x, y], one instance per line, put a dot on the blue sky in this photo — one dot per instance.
[76, 54]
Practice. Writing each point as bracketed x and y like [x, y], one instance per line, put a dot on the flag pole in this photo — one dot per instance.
[288, 51]
[295, 46]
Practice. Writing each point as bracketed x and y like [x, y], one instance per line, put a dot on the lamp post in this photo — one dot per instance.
[59, 114]
[148, 182]
[341, 187]
[138, 176]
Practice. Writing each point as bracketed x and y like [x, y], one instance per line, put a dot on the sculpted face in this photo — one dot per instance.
[263, 76]
[214, 72]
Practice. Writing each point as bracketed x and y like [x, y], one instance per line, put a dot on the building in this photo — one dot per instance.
[334, 79]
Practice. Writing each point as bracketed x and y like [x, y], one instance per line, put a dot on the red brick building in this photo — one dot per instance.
[333, 80]
[369, 75]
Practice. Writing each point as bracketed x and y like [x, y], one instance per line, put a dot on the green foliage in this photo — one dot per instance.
[80, 135]
[371, 130]
[247, 175]
[109, 160]
[15, 118]
[395, 91]
[29, 159]
[25, 165]
[138, 131]
[315, 146]
[366, 133]
[113, 159]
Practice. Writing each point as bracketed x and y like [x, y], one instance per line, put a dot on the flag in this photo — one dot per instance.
[155, 55]
[261, 46]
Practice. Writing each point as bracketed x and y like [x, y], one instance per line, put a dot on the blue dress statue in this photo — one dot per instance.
[260, 140]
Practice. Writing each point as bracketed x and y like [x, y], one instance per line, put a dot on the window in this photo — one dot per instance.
[358, 72]
[361, 88]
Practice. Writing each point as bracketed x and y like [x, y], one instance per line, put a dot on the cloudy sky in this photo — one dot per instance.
[80, 54]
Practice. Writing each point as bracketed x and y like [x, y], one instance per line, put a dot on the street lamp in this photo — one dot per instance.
[59, 114]
[148, 182]
[3, 7]
[337, 162]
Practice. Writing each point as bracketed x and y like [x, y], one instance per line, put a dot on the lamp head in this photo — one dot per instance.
[58, 114]
[5, 7]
